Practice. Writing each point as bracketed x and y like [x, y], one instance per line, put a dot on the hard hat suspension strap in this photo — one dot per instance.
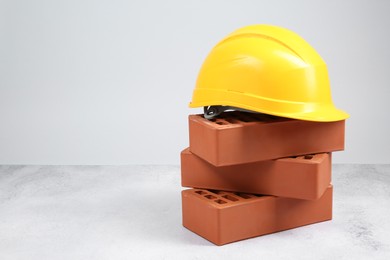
[211, 112]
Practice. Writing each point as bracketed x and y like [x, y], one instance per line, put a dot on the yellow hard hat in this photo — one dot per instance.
[270, 70]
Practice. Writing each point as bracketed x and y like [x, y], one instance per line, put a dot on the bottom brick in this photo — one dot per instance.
[224, 217]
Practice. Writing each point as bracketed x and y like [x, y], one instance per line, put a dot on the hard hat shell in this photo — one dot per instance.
[267, 69]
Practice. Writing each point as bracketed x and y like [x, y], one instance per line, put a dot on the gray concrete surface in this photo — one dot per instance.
[134, 212]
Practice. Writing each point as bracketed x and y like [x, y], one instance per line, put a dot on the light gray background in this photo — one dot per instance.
[108, 82]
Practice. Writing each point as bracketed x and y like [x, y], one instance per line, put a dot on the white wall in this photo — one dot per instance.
[108, 82]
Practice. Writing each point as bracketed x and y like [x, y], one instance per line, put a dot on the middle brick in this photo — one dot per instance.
[303, 177]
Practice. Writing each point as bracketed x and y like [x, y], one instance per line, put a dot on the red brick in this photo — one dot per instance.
[225, 217]
[244, 138]
[303, 177]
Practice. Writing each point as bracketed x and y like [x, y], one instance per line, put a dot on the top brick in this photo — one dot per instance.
[240, 137]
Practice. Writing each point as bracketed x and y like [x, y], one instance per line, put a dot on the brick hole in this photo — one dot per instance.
[231, 198]
[258, 195]
[220, 201]
[210, 197]
[231, 120]
[308, 157]
[200, 192]
[221, 122]
[215, 191]
[243, 195]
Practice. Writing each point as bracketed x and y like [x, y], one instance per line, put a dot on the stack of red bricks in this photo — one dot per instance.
[254, 174]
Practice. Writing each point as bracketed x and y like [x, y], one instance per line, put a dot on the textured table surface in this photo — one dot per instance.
[134, 212]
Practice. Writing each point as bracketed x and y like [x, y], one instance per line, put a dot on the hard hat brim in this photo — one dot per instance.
[296, 110]
[321, 114]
